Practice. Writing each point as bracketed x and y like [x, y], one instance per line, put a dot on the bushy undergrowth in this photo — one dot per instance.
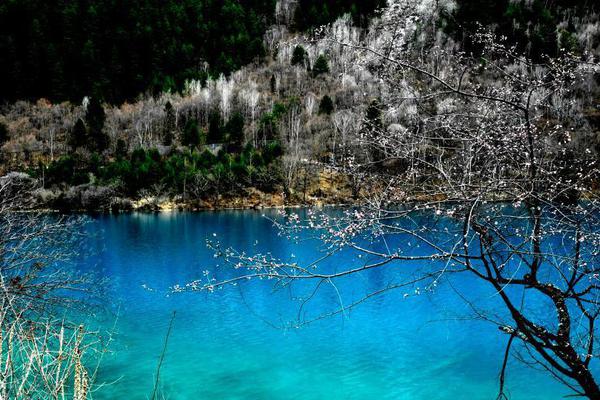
[198, 171]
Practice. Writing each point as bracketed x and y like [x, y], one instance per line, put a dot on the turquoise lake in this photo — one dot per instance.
[232, 344]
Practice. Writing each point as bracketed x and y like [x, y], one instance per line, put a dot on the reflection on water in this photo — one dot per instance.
[227, 345]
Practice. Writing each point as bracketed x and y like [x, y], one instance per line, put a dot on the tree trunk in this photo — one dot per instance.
[587, 382]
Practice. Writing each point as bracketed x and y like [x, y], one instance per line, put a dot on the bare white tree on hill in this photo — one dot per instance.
[489, 175]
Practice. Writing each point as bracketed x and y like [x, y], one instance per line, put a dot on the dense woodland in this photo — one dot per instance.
[537, 28]
[200, 99]
[65, 50]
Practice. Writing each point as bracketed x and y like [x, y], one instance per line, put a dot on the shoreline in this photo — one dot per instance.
[119, 205]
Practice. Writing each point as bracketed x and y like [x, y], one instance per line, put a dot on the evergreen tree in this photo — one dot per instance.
[63, 50]
[191, 134]
[373, 127]
[326, 105]
[313, 13]
[299, 56]
[121, 149]
[79, 136]
[321, 66]
[169, 130]
[537, 28]
[215, 128]
[95, 118]
[235, 131]
[273, 84]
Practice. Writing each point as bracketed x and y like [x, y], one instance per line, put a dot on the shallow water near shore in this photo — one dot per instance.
[231, 344]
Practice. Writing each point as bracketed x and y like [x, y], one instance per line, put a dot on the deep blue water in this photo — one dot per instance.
[231, 345]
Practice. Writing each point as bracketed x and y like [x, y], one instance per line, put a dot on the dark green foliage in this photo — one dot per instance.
[267, 129]
[313, 13]
[192, 135]
[215, 128]
[78, 137]
[178, 169]
[271, 152]
[90, 134]
[145, 168]
[279, 109]
[223, 157]
[321, 66]
[60, 170]
[95, 118]
[239, 167]
[234, 131]
[299, 56]
[170, 125]
[568, 41]
[65, 50]
[531, 25]
[273, 84]
[326, 105]
[121, 149]
[257, 159]
[3, 134]
[373, 127]
[206, 159]
[67, 169]
[94, 163]
[248, 157]
[120, 171]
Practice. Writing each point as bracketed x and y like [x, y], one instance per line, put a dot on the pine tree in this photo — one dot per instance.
[373, 127]
[326, 105]
[79, 136]
[170, 125]
[215, 128]
[235, 131]
[321, 66]
[121, 149]
[95, 118]
[191, 133]
[299, 56]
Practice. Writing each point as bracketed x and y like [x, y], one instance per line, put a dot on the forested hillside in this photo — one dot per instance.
[64, 50]
[537, 28]
[200, 99]
[117, 50]
[311, 13]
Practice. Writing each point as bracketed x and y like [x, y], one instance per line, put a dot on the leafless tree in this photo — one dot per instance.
[493, 185]
[290, 132]
[43, 352]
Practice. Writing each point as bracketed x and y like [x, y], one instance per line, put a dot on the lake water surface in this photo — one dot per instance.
[231, 345]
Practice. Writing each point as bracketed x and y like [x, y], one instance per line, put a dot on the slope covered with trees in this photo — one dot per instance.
[64, 50]
[115, 50]
[312, 13]
[537, 28]
[282, 124]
